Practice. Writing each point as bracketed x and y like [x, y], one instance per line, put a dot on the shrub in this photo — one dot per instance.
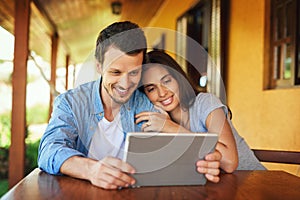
[5, 129]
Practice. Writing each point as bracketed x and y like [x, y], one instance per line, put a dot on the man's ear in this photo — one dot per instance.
[99, 67]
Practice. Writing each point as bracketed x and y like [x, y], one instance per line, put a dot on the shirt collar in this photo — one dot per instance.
[97, 102]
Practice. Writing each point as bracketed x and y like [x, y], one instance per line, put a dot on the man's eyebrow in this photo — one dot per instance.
[113, 69]
[136, 69]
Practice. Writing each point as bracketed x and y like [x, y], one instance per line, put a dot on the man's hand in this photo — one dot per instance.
[210, 166]
[108, 173]
[111, 173]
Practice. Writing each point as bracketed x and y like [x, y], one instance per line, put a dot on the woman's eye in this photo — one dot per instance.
[150, 89]
[165, 82]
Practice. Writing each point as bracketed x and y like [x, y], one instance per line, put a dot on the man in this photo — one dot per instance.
[80, 115]
[85, 135]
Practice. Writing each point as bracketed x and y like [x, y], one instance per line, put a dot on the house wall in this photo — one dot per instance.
[267, 119]
[164, 22]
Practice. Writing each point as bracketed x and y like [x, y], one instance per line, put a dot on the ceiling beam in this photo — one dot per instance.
[44, 13]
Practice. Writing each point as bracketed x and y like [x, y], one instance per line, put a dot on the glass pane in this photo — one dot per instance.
[279, 23]
[289, 18]
[298, 75]
[287, 62]
[276, 62]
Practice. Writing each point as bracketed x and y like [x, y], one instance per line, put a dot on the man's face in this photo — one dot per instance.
[121, 74]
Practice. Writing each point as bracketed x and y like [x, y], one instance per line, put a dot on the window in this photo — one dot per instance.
[204, 24]
[284, 44]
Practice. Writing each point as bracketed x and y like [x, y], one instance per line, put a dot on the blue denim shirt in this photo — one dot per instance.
[74, 120]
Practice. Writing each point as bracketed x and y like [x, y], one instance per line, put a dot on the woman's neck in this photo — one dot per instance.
[181, 116]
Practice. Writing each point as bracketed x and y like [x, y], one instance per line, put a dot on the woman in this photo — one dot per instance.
[168, 88]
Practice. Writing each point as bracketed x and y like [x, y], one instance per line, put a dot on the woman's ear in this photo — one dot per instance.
[99, 67]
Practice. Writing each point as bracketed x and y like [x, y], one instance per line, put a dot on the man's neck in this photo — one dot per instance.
[111, 108]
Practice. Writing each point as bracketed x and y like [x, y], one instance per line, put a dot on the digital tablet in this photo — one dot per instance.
[162, 159]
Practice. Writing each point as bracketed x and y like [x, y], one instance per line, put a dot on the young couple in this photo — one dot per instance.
[85, 135]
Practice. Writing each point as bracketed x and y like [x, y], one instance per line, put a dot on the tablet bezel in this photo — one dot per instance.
[190, 147]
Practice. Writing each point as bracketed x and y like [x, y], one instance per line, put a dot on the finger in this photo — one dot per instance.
[214, 179]
[116, 177]
[107, 181]
[118, 164]
[212, 171]
[142, 118]
[208, 164]
[145, 127]
[145, 113]
[214, 156]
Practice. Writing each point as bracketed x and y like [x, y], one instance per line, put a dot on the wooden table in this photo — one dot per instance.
[244, 185]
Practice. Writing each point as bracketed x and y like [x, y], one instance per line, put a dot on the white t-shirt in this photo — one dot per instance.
[108, 140]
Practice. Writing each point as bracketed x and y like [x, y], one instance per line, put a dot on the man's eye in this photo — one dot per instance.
[134, 73]
[115, 72]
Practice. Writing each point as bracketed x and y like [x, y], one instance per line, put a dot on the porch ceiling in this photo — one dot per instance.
[77, 23]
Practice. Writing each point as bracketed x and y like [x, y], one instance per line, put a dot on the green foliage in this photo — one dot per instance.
[31, 156]
[5, 130]
[3, 187]
[30, 163]
[37, 114]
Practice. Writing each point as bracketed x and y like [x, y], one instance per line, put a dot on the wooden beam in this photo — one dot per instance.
[42, 10]
[67, 70]
[18, 123]
[54, 49]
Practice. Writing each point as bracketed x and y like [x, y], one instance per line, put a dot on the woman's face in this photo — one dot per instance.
[161, 88]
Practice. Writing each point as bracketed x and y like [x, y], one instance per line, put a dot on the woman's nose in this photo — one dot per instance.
[162, 91]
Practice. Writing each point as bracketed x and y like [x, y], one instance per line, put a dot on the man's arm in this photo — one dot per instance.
[58, 143]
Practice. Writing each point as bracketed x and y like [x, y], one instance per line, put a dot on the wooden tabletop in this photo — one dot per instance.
[239, 185]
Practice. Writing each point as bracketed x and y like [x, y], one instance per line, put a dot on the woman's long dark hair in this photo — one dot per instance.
[187, 90]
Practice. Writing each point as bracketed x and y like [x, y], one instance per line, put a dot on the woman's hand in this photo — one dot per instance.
[153, 121]
[156, 121]
[210, 166]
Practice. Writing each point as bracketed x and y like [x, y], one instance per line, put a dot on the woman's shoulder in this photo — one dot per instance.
[207, 97]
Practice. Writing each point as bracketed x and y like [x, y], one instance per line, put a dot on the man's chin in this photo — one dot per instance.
[121, 100]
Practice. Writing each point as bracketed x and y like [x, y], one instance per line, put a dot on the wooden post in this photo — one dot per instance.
[18, 119]
[54, 49]
[67, 70]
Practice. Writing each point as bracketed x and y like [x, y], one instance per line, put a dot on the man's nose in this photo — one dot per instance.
[124, 81]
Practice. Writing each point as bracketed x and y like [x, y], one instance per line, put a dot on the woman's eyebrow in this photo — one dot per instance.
[148, 85]
[165, 76]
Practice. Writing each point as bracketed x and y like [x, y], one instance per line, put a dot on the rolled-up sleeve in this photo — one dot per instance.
[60, 138]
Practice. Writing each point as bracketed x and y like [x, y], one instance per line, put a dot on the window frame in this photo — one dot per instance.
[274, 71]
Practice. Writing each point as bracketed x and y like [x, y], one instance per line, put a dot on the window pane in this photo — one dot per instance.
[290, 19]
[287, 62]
[298, 75]
[279, 23]
[276, 62]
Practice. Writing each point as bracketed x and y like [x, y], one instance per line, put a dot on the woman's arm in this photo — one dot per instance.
[217, 122]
